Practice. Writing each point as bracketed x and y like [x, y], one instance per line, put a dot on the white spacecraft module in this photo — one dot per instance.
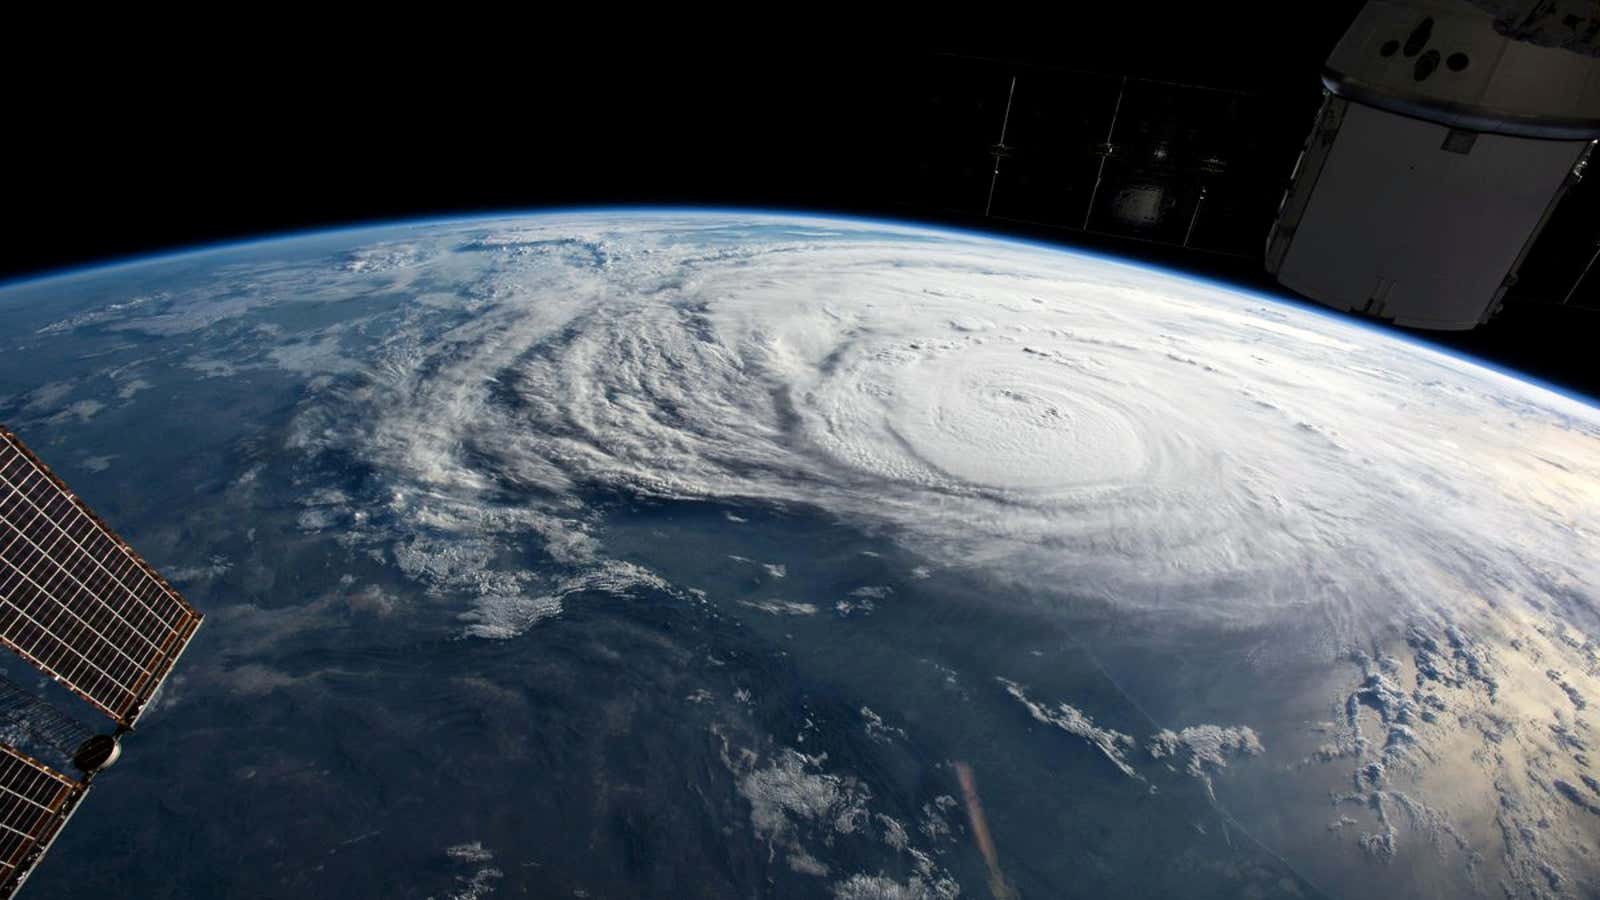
[1448, 133]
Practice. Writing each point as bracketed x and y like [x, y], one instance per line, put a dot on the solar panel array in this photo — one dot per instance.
[35, 801]
[75, 600]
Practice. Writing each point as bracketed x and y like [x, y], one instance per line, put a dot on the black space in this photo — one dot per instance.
[126, 144]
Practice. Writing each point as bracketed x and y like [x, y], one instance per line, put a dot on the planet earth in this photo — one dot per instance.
[676, 553]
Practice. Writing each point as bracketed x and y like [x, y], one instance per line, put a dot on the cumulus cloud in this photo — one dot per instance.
[480, 882]
[1114, 745]
[806, 811]
[782, 607]
[880, 887]
[878, 729]
[506, 615]
[1205, 748]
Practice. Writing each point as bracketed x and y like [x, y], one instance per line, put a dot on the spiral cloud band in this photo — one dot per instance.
[1161, 442]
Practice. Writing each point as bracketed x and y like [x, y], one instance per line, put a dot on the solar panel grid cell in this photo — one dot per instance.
[75, 600]
[35, 801]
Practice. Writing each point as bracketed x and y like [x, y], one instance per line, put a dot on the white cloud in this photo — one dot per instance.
[1114, 745]
[781, 607]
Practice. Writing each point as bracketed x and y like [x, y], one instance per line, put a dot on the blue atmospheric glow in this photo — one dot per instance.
[101, 268]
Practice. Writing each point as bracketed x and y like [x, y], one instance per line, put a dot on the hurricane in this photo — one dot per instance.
[735, 547]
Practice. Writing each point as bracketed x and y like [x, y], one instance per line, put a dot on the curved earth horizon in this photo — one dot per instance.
[623, 553]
